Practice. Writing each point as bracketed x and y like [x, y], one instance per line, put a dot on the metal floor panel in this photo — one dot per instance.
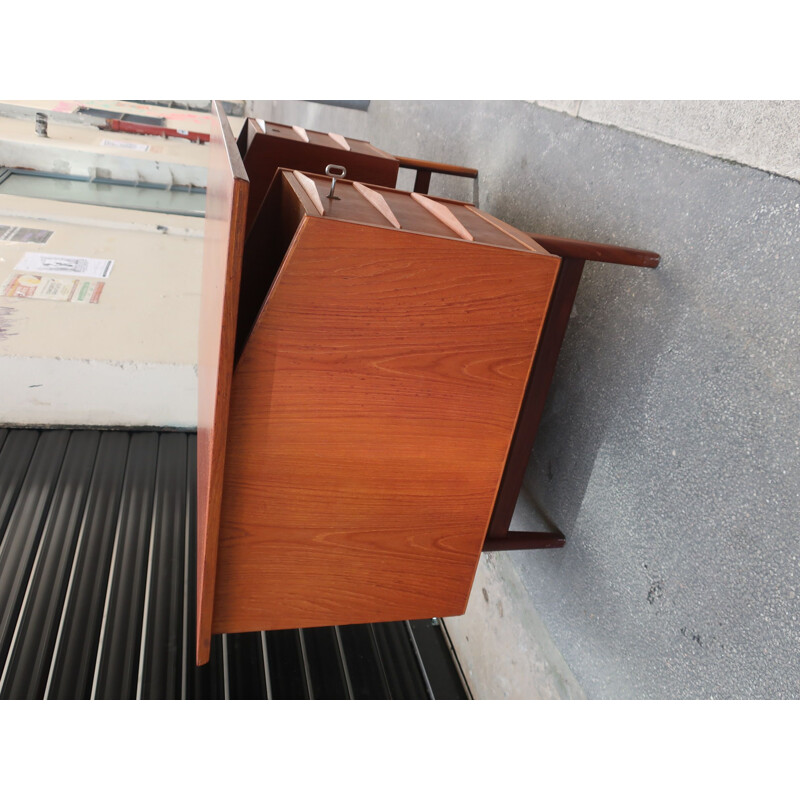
[97, 588]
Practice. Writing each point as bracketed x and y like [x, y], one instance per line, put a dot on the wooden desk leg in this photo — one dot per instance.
[544, 365]
[527, 540]
[423, 181]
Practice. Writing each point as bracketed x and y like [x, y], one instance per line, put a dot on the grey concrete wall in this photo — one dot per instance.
[668, 452]
[759, 133]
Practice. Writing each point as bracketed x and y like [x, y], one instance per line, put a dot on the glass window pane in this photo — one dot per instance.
[106, 194]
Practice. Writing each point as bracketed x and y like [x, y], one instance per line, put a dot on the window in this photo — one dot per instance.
[106, 114]
[185, 200]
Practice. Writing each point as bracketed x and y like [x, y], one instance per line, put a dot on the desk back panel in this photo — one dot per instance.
[226, 206]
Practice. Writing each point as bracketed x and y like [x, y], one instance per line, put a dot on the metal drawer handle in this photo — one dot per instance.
[334, 176]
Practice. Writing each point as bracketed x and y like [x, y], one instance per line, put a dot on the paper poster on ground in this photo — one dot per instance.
[65, 265]
[48, 287]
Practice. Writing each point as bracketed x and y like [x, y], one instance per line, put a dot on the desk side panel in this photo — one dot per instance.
[226, 206]
[371, 414]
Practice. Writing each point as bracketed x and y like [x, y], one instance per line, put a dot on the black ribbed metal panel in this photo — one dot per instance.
[435, 651]
[117, 667]
[17, 449]
[326, 667]
[72, 667]
[161, 655]
[401, 667]
[97, 590]
[367, 676]
[21, 537]
[247, 666]
[28, 666]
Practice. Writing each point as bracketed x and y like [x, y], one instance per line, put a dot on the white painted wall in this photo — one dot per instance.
[91, 393]
[129, 360]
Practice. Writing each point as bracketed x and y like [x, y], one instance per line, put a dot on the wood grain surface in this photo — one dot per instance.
[226, 206]
[371, 413]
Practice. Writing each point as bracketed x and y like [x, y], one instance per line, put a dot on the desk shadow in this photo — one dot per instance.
[615, 334]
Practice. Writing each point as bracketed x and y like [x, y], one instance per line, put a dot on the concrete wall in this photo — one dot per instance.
[758, 133]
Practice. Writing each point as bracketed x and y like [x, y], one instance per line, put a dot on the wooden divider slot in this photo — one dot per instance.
[301, 132]
[378, 201]
[340, 140]
[444, 215]
[518, 236]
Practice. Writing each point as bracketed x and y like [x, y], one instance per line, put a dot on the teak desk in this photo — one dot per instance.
[368, 400]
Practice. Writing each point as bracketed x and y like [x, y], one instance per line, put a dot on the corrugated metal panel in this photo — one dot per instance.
[117, 665]
[161, 652]
[97, 589]
[72, 666]
[27, 521]
[31, 649]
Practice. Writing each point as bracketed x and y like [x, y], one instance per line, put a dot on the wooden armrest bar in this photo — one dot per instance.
[594, 251]
[433, 166]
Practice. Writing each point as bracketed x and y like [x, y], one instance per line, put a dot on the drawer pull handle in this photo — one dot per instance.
[334, 176]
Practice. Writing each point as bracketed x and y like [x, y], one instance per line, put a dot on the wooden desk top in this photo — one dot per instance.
[226, 206]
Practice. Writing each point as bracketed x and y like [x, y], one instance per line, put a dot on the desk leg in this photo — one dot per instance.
[544, 365]
[528, 540]
[422, 184]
